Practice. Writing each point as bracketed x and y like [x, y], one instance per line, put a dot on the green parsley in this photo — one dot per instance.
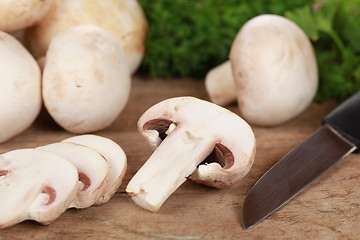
[187, 38]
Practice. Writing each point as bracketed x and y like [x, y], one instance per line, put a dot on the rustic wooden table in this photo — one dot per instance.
[328, 209]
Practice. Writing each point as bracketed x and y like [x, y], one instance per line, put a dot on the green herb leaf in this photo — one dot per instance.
[189, 37]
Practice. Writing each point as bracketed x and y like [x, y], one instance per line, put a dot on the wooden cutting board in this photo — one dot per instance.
[327, 209]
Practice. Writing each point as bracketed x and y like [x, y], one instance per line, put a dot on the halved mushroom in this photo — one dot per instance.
[187, 131]
[124, 20]
[113, 154]
[20, 89]
[86, 79]
[35, 185]
[93, 170]
[19, 14]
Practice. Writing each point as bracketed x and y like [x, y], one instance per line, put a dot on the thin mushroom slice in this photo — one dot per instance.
[93, 171]
[35, 185]
[195, 128]
[112, 153]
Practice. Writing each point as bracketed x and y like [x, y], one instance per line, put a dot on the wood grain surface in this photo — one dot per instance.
[327, 209]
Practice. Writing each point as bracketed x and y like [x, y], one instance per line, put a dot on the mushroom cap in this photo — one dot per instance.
[274, 68]
[86, 79]
[20, 88]
[93, 170]
[19, 14]
[113, 154]
[35, 185]
[229, 134]
[125, 20]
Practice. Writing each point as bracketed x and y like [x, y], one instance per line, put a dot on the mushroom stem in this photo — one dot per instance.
[220, 85]
[168, 167]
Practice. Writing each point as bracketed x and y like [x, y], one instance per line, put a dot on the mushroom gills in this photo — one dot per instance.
[51, 193]
[221, 155]
[3, 172]
[160, 125]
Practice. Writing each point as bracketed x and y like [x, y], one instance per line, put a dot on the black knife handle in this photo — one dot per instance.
[345, 119]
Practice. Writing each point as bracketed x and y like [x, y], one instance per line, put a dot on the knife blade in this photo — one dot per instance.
[338, 136]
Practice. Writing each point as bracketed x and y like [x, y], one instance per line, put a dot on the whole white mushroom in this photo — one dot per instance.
[19, 14]
[20, 88]
[275, 70]
[124, 19]
[86, 79]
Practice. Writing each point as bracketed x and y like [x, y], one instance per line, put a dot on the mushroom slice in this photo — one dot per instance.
[35, 185]
[195, 128]
[93, 170]
[114, 155]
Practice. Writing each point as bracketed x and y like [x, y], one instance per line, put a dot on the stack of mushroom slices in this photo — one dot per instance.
[40, 184]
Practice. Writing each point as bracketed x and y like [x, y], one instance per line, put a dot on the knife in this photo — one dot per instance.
[338, 137]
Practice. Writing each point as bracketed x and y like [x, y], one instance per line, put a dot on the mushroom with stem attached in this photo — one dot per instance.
[273, 72]
[187, 130]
